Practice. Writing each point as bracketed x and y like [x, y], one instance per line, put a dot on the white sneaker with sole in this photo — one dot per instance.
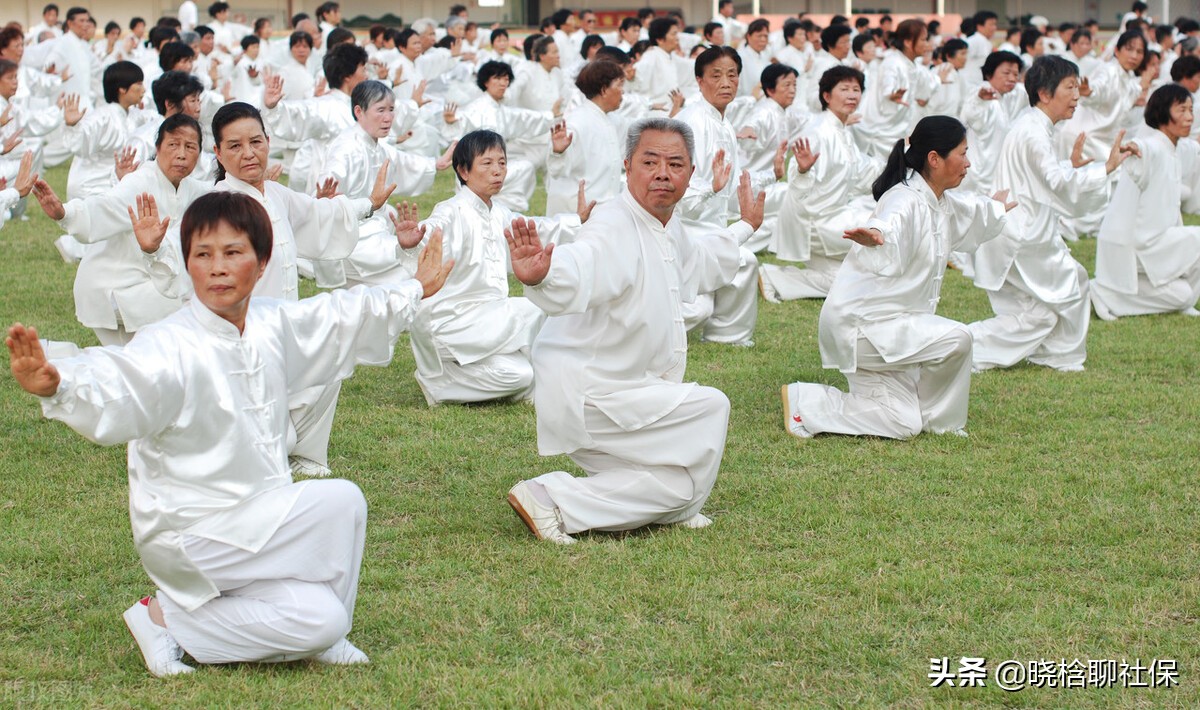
[342, 653]
[159, 650]
[696, 522]
[545, 523]
[307, 467]
[792, 423]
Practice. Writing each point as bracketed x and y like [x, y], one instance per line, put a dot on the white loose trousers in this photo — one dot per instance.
[661, 473]
[292, 599]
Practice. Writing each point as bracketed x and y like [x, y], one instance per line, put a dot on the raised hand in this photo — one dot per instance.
[382, 189]
[12, 141]
[72, 114]
[450, 113]
[779, 162]
[1001, 196]
[272, 90]
[1085, 89]
[944, 73]
[418, 94]
[530, 260]
[866, 237]
[897, 96]
[23, 183]
[1077, 159]
[274, 170]
[321, 87]
[147, 229]
[431, 272]
[51, 205]
[583, 208]
[987, 93]
[327, 188]
[560, 137]
[677, 99]
[1120, 152]
[28, 363]
[380, 71]
[721, 171]
[805, 157]
[125, 161]
[446, 159]
[750, 205]
[409, 232]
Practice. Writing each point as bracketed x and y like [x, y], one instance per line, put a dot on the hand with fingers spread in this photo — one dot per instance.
[583, 208]
[867, 237]
[804, 155]
[327, 188]
[1120, 152]
[560, 137]
[897, 96]
[272, 90]
[1077, 159]
[382, 189]
[721, 171]
[750, 205]
[12, 141]
[418, 94]
[51, 205]
[1001, 196]
[530, 260]
[677, 99]
[450, 113]
[147, 228]
[274, 170]
[125, 161]
[72, 114]
[431, 272]
[446, 159]
[409, 231]
[28, 362]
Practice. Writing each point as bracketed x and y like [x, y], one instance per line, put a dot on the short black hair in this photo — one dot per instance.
[759, 25]
[1046, 73]
[560, 17]
[490, 70]
[203, 31]
[300, 37]
[831, 34]
[174, 123]
[174, 87]
[342, 62]
[73, 12]
[1185, 67]
[498, 32]
[172, 53]
[1029, 38]
[996, 59]
[239, 211]
[110, 26]
[589, 42]
[610, 53]
[325, 8]
[49, 7]
[217, 7]
[120, 75]
[529, 43]
[984, 15]
[629, 23]
[712, 54]
[338, 35]
[135, 21]
[710, 28]
[1158, 106]
[161, 33]
[773, 73]
[660, 27]
[834, 76]
[249, 40]
[860, 41]
[473, 145]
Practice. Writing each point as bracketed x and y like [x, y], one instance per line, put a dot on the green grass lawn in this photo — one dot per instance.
[1065, 527]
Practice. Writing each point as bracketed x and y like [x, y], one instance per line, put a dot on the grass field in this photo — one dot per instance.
[1065, 527]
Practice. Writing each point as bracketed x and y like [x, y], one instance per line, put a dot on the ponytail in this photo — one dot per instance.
[940, 134]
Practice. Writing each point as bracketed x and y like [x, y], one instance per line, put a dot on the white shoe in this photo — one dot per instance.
[1102, 310]
[696, 522]
[69, 249]
[768, 292]
[960, 433]
[159, 650]
[1190, 311]
[545, 523]
[342, 653]
[791, 422]
[1069, 368]
[307, 467]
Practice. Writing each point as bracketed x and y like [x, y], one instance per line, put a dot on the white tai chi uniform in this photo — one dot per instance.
[909, 369]
[516, 125]
[471, 340]
[1038, 291]
[729, 313]
[115, 294]
[833, 196]
[772, 125]
[885, 121]
[609, 365]
[313, 123]
[1146, 260]
[657, 76]
[354, 159]
[250, 566]
[593, 156]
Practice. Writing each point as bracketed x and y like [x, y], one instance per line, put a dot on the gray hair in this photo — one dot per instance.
[1188, 45]
[423, 24]
[189, 38]
[667, 125]
[455, 22]
[369, 93]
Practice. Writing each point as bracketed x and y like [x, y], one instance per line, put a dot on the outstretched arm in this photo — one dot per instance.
[28, 362]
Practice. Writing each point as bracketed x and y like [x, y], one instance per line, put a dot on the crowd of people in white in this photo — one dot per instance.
[673, 157]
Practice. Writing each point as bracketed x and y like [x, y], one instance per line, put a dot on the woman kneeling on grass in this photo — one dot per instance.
[250, 566]
[909, 369]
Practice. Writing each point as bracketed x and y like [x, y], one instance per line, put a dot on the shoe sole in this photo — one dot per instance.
[520, 511]
[142, 651]
[787, 414]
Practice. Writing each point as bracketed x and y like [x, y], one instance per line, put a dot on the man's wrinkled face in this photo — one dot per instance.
[659, 171]
[719, 82]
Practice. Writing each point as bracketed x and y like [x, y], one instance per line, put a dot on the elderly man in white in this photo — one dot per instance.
[249, 565]
[610, 359]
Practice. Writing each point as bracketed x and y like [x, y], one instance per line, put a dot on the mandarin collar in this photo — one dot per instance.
[642, 215]
[214, 323]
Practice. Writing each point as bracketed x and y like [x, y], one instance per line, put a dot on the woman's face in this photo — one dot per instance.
[1130, 56]
[242, 150]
